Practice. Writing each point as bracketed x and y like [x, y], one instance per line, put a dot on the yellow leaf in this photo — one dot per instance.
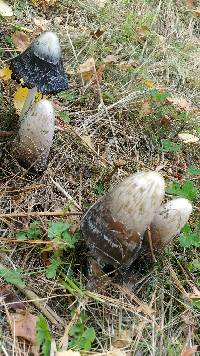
[19, 98]
[5, 9]
[87, 69]
[148, 83]
[196, 12]
[39, 96]
[5, 73]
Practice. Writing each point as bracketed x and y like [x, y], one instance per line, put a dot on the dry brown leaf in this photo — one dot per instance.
[146, 108]
[23, 325]
[41, 23]
[110, 59]
[196, 12]
[190, 3]
[189, 351]
[87, 69]
[5, 73]
[98, 33]
[188, 138]
[166, 121]
[5, 9]
[182, 103]
[98, 76]
[10, 298]
[19, 98]
[20, 40]
[68, 353]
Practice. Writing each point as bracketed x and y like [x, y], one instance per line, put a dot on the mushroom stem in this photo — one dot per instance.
[28, 102]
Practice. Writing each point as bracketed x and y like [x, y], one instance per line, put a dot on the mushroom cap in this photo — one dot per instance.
[35, 136]
[168, 222]
[114, 226]
[40, 65]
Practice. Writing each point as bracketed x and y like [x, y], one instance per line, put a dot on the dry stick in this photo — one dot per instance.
[65, 193]
[40, 304]
[150, 243]
[30, 242]
[36, 214]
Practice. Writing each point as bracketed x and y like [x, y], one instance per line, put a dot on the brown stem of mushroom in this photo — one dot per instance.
[28, 102]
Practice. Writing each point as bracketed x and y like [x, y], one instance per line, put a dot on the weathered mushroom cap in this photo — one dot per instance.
[35, 136]
[114, 226]
[40, 65]
[168, 222]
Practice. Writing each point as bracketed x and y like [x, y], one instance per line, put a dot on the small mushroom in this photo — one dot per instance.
[167, 223]
[35, 136]
[40, 67]
[114, 226]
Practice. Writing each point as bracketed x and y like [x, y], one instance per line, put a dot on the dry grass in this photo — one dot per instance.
[162, 39]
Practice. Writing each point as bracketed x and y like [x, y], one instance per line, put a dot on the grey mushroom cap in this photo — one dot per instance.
[41, 66]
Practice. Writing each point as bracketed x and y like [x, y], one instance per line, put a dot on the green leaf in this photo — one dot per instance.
[54, 265]
[186, 190]
[194, 265]
[170, 146]
[34, 232]
[65, 116]
[99, 188]
[12, 277]
[196, 302]
[67, 95]
[43, 335]
[56, 229]
[189, 237]
[159, 95]
[193, 170]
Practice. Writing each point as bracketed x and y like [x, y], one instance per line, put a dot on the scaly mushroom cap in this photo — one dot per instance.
[168, 222]
[114, 226]
[35, 136]
[40, 65]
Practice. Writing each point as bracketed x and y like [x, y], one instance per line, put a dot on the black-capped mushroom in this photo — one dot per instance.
[40, 67]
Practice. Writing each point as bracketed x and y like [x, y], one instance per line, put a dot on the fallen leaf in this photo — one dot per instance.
[196, 12]
[110, 59]
[122, 338]
[19, 98]
[11, 300]
[146, 108]
[87, 69]
[190, 3]
[23, 325]
[97, 34]
[68, 353]
[166, 121]
[20, 40]
[88, 141]
[127, 65]
[182, 103]
[148, 83]
[188, 138]
[189, 350]
[5, 73]
[5, 9]
[100, 3]
[41, 23]
[98, 76]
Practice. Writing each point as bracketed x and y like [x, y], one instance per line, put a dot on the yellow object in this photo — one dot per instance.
[5, 73]
[19, 98]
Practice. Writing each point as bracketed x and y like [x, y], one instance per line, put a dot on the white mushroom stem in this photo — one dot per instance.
[168, 222]
[35, 135]
[28, 102]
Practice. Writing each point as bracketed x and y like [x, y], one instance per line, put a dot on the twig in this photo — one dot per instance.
[31, 242]
[36, 214]
[65, 193]
[40, 304]
[150, 243]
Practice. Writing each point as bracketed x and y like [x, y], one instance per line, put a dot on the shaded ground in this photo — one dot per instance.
[116, 127]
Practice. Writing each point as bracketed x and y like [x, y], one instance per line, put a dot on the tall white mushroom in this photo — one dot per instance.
[168, 222]
[35, 136]
[114, 226]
